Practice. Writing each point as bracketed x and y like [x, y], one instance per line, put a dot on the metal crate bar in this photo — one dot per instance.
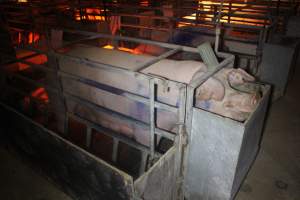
[129, 95]
[152, 95]
[157, 59]
[21, 60]
[112, 133]
[36, 83]
[131, 39]
[116, 115]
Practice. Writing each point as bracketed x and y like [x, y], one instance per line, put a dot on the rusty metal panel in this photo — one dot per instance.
[78, 173]
[159, 181]
[221, 152]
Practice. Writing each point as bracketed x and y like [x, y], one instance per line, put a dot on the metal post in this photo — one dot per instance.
[52, 60]
[143, 162]
[152, 117]
[115, 150]
[180, 142]
[88, 137]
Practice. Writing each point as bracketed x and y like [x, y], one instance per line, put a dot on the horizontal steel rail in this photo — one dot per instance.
[23, 60]
[117, 115]
[126, 94]
[131, 39]
[197, 82]
[112, 134]
[158, 105]
[157, 59]
[97, 107]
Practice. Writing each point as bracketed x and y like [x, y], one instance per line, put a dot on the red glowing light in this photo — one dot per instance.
[40, 94]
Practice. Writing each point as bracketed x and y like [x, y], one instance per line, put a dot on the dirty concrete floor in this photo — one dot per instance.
[19, 182]
[275, 174]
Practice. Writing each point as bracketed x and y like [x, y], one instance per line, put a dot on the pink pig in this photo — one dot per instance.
[227, 93]
[234, 104]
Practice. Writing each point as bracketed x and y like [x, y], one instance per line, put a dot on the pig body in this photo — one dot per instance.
[215, 95]
[219, 94]
[180, 71]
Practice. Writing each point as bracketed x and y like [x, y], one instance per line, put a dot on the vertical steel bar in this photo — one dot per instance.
[188, 121]
[66, 125]
[52, 60]
[229, 12]
[180, 142]
[88, 137]
[143, 163]
[115, 150]
[152, 116]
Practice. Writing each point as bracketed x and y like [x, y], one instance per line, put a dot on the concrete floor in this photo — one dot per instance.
[19, 182]
[275, 174]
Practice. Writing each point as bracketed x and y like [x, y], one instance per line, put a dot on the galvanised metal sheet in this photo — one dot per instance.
[220, 152]
[159, 182]
[277, 62]
[251, 141]
[78, 173]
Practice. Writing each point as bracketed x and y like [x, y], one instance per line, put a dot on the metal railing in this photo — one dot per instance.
[183, 110]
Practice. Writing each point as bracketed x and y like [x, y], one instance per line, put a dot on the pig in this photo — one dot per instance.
[237, 101]
[231, 92]
[180, 71]
[227, 93]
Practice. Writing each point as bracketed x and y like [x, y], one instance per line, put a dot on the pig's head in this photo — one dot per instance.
[218, 95]
[235, 105]
[239, 76]
[211, 89]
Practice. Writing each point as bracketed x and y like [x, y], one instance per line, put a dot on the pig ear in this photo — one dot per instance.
[247, 77]
[211, 89]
